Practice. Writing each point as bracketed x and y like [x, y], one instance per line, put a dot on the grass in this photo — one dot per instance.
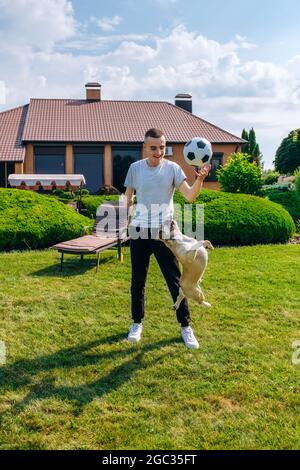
[72, 381]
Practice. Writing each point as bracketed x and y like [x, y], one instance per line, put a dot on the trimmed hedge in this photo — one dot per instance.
[290, 200]
[91, 203]
[231, 219]
[247, 220]
[204, 197]
[31, 220]
[241, 219]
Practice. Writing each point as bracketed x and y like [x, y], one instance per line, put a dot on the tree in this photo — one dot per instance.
[239, 175]
[252, 148]
[287, 158]
[256, 154]
[270, 177]
[297, 182]
[245, 147]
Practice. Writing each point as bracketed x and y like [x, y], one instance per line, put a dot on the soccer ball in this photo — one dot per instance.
[197, 152]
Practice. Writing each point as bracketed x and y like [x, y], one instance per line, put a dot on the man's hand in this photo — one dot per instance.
[191, 192]
[204, 171]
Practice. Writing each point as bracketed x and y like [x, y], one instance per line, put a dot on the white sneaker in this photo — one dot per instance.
[135, 332]
[189, 338]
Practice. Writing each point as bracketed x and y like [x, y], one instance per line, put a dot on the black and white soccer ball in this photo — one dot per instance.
[198, 152]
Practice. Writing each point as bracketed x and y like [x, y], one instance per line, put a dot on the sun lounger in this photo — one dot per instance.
[108, 231]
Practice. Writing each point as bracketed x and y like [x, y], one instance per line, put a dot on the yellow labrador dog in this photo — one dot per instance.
[193, 256]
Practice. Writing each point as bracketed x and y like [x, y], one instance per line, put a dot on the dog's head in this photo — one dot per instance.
[207, 245]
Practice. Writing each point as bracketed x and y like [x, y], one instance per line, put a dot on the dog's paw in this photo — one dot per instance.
[205, 304]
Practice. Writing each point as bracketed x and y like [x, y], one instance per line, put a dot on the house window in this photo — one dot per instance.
[49, 159]
[6, 169]
[88, 161]
[122, 158]
[216, 162]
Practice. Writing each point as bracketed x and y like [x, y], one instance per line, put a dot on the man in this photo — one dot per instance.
[154, 179]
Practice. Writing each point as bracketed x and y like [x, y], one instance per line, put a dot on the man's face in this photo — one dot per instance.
[155, 149]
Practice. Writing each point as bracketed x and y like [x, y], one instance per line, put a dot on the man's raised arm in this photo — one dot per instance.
[191, 192]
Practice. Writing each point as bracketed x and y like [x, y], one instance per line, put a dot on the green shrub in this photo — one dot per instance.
[57, 192]
[240, 219]
[230, 219]
[247, 220]
[238, 175]
[284, 187]
[91, 203]
[270, 177]
[297, 181]
[31, 220]
[289, 200]
[84, 192]
[63, 194]
[206, 195]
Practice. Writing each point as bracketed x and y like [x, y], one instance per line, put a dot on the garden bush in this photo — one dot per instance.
[63, 194]
[270, 177]
[84, 192]
[206, 195]
[31, 220]
[239, 175]
[247, 220]
[240, 219]
[290, 200]
[230, 219]
[276, 186]
[91, 203]
[297, 181]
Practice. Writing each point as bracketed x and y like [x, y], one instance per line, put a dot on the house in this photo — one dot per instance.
[101, 138]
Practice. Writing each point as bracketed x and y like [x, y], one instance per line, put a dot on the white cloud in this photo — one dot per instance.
[36, 23]
[244, 43]
[94, 44]
[2, 92]
[227, 89]
[106, 23]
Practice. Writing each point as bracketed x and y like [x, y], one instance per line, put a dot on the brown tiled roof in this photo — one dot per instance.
[115, 121]
[11, 130]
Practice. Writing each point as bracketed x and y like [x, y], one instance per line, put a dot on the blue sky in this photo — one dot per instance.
[239, 60]
[273, 25]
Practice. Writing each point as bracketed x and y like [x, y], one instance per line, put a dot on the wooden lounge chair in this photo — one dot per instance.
[108, 231]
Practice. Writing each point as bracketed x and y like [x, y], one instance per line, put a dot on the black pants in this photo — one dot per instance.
[141, 250]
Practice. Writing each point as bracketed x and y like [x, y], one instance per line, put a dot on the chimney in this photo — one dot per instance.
[184, 101]
[93, 91]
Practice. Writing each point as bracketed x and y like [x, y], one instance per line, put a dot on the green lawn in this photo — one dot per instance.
[72, 381]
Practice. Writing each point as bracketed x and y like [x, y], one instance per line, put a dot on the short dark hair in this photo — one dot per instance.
[154, 133]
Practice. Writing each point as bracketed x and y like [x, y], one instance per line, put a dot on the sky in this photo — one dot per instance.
[239, 60]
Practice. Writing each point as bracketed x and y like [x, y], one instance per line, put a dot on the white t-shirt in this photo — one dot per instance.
[154, 188]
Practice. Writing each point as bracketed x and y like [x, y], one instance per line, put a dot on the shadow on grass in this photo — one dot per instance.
[24, 372]
[73, 266]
